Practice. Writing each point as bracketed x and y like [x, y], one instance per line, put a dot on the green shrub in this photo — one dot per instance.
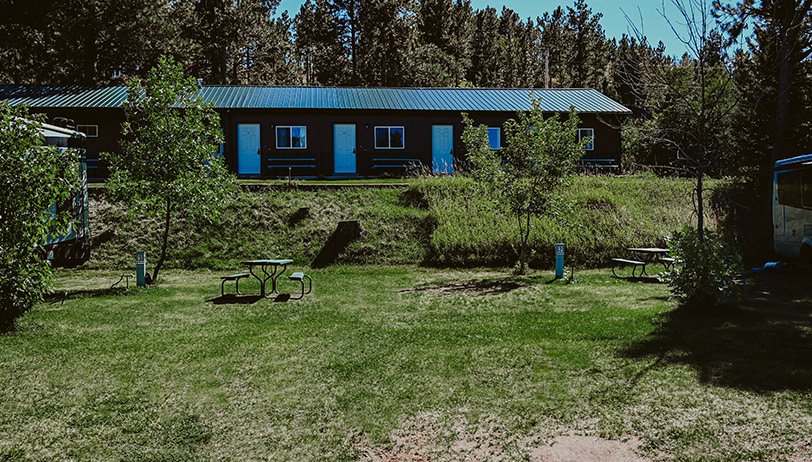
[704, 272]
[33, 177]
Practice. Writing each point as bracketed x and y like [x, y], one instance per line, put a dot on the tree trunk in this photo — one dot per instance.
[524, 235]
[165, 241]
[700, 207]
[782, 107]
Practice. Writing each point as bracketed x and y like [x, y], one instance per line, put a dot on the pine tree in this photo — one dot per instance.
[485, 61]
[319, 41]
[557, 40]
[781, 44]
[387, 42]
[589, 46]
[445, 34]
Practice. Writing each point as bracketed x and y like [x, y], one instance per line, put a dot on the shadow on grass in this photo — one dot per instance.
[477, 286]
[641, 279]
[761, 344]
[282, 298]
[232, 299]
[62, 296]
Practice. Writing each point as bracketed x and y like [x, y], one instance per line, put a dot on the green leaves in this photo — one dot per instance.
[526, 175]
[32, 179]
[705, 272]
[169, 158]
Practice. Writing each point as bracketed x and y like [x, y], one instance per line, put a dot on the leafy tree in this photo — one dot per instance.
[706, 270]
[526, 175]
[694, 100]
[168, 162]
[693, 118]
[32, 179]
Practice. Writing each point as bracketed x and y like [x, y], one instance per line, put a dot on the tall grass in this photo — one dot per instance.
[445, 221]
[263, 224]
[608, 215]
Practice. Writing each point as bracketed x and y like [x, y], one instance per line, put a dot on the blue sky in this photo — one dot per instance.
[614, 23]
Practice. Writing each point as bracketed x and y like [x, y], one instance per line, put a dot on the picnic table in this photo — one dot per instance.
[263, 277]
[651, 255]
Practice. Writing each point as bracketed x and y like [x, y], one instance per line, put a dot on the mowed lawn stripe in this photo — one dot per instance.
[163, 373]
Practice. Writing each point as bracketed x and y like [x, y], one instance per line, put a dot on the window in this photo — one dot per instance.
[91, 131]
[494, 137]
[291, 137]
[587, 133]
[389, 138]
[806, 189]
[789, 189]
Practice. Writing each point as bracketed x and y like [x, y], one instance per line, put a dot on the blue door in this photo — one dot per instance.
[344, 148]
[249, 160]
[442, 149]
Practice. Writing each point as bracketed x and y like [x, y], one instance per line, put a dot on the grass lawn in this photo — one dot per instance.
[445, 364]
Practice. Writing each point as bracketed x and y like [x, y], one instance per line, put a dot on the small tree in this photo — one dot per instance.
[168, 161]
[32, 179]
[527, 174]
[697, 101]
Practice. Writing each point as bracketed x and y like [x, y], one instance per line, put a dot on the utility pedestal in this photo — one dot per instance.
[141, 269]
[559, 261]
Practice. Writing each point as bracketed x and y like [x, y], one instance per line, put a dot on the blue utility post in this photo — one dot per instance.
[140, 269]
[559, 261]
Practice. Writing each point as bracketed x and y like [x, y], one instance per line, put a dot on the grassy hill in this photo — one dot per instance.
[434, 221]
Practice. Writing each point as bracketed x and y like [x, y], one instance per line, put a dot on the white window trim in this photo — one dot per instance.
[591, 134]
[87, 135]
[389, 136]
[498, 138]
[290, 135]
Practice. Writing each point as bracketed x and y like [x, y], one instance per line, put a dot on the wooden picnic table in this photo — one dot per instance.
[265, 275]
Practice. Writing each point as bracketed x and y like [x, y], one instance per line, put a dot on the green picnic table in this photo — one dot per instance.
[263, 277]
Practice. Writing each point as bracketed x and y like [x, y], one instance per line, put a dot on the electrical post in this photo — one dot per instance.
[559, 261]
[140, 269]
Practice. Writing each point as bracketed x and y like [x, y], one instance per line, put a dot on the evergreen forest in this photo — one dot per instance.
[744, 85]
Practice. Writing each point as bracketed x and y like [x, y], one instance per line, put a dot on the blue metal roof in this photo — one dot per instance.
[403, 99]
[807, 158]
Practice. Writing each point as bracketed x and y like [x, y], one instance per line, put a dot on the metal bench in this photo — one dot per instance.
[232, 277]
[667, 262]
[299, 276]
[625, 262]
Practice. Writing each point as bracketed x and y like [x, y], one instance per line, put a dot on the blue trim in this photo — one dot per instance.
[291, 166]
[290, 160]
[794, 160]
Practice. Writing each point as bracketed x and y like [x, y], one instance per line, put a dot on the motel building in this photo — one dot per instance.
[335, 132]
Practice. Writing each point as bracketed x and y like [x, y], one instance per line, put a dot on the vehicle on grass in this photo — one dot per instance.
[792, 208]
[70, 247]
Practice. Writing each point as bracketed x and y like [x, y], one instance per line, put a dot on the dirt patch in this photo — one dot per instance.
[432, 438]
[481, 287]
[583, 448]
